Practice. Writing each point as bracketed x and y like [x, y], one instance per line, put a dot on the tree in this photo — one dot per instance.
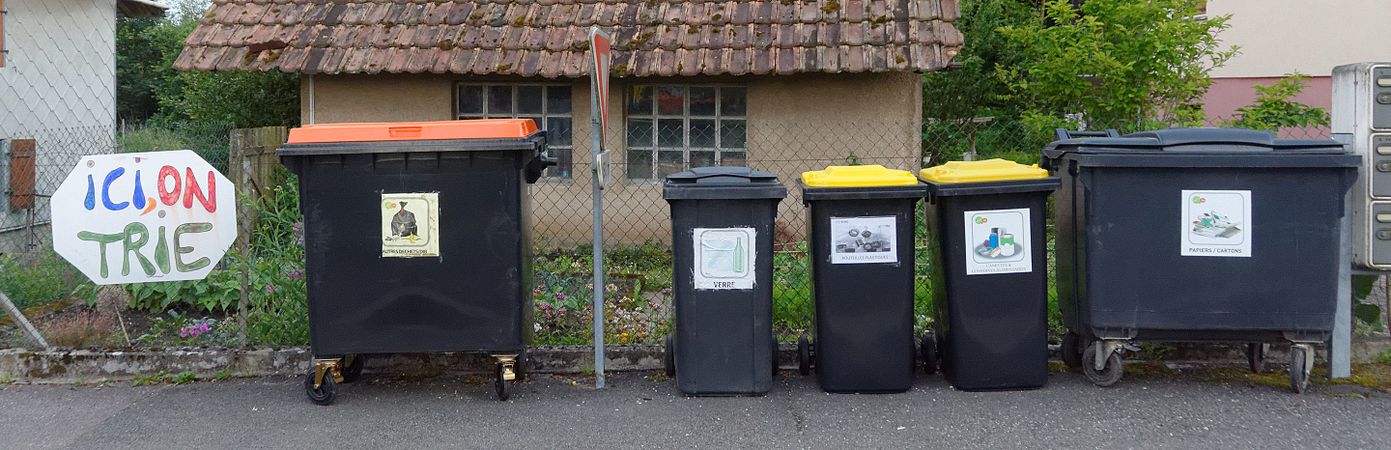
[1275, 107]
[1112, 64]
[971, 89]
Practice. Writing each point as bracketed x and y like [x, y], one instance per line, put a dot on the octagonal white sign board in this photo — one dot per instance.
[144, 217]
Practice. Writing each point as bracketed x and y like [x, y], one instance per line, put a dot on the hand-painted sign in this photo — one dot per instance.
[142, 217]
[602, 52]
[997, 241]
[1216, 223]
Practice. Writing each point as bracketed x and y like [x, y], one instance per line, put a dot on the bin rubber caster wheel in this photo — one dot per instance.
[1106, 377]
[928, 350]
[1072, 350]
[1255, 356]
[1300, 365]
[323, 395]
[353, 370]
[503, 386]
[669, 358]
[803, 355]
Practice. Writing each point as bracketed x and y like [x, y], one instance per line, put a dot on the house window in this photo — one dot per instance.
[671, 128]
[547, 104]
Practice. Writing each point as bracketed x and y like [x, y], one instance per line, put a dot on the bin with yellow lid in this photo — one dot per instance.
[862, 222]
[985, 224]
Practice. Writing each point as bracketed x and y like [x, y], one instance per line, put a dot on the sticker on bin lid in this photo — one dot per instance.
[997, 241]
[1215, 223]
[981, 171]
[410, 225]
[724, 258]
[864, 240]
[873, 175]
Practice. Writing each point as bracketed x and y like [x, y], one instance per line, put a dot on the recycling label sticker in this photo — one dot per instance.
[997, 241]
[1216, 223]
[864, 240]
[410, 225]
[724, 258]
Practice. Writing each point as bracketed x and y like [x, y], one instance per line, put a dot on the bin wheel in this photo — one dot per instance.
[928, 351]
[1106, 377]
[353, 370]
[1299, 368]
[503, 387]
[1255, 356]
[803, 355]
[1072, 350]
[669, 358]
[325, 394]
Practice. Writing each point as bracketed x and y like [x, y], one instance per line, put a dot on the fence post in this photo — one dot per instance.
[251, 166]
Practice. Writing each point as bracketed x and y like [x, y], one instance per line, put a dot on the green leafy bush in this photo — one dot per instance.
[31, 280]
[1275, 107]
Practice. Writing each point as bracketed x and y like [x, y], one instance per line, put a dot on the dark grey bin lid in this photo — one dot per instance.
[1200, 147]
[723, 183]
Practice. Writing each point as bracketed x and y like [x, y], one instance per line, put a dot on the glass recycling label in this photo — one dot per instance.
[997, 241]
[724, 258]
[1215, 223]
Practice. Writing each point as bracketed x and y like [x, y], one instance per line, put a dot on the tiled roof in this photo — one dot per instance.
[549, 38]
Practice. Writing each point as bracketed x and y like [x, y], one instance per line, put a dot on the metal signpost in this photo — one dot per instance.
[144, 217]
[598, 119]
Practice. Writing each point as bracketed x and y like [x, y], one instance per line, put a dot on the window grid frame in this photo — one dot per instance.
[656, 149]
[544, 115]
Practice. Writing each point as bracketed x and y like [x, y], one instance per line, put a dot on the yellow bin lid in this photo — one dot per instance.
[858, 176]
[982, 171]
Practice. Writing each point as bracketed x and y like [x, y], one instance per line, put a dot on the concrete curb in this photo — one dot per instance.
[87, 366]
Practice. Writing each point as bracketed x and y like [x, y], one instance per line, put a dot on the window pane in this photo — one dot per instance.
[669, 133]
[529, 99]
[702, 101]
[702, 133]
[559, 131]
[564, 163]
[557, 99]
[728, 158]
[640, 101]
[671, 100]
[732, 102]
[470, 117]
[470, 100]
[640, 164]
[669, 163]
[639, 132]
[733, 134]
[702, 159]
[499, 101]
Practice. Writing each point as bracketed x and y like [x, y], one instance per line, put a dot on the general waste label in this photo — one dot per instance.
[410, 225]
[1215, 223]
[997, 241]
[864, 240]
[142, 217]
[724, 258]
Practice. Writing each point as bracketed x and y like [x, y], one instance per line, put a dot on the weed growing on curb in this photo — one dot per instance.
[184, 377]
[222, 375]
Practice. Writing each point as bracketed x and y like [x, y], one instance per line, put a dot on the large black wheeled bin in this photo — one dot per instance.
[722, 258]
[989, 256]
[1200, 234]
[416, 240]
[862, 221]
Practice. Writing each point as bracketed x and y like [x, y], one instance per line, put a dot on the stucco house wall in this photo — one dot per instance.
[795, 123]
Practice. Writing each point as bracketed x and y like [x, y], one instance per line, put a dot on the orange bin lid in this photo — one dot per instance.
[413, 131]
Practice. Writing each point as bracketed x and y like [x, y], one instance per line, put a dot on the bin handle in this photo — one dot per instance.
[404, 132]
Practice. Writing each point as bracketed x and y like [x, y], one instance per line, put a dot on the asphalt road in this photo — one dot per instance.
[560, 412]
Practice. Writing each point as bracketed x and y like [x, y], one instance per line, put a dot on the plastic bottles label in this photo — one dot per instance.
[410, 225]
[864, 240]
[724, 258]
[1215, 223]
[997, 241]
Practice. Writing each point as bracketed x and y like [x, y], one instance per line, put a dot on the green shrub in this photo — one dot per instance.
[37, 279]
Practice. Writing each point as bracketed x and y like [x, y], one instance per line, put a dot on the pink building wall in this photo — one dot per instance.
[1228, 94]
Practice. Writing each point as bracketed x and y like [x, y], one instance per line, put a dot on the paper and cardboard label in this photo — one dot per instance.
[864, 240]
[1216, 223]
[997, 241]
[410, 225]
[724, 258]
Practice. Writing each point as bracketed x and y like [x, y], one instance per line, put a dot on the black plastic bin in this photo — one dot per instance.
[1198, 234]
[862, 221]
[989, 255]
[416, 240]
[722, 258]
